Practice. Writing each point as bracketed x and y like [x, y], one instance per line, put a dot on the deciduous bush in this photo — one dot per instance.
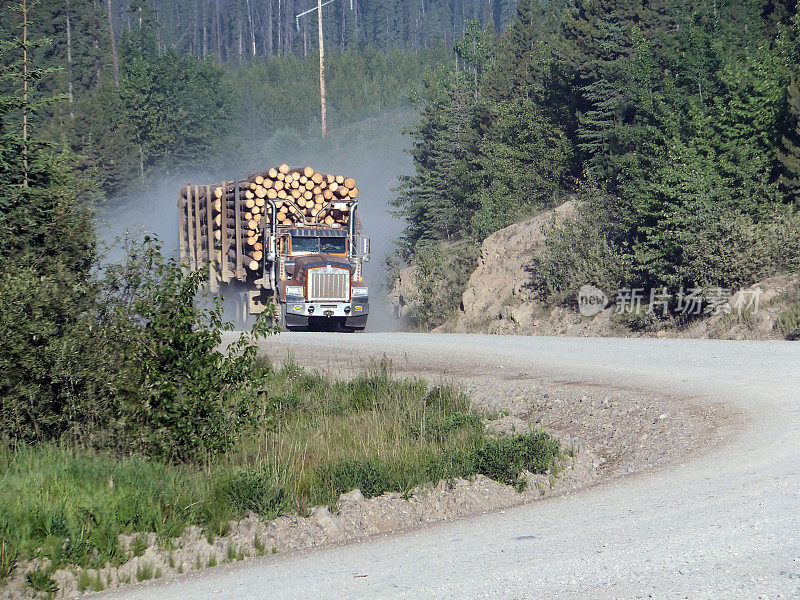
[128, 361]
[188, 397]
[580, 250]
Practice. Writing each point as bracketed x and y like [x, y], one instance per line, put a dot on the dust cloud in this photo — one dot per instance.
[371, 151]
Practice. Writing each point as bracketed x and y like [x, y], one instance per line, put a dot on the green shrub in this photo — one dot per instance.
[504, 458]
[578, 250]
[441, 273]
[130, 362]
[58, 376]
[789, 321]
[189, 399]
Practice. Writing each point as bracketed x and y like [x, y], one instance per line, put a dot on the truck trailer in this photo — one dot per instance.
[284, 237]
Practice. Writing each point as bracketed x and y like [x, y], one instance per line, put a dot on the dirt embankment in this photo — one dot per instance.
[498, 299]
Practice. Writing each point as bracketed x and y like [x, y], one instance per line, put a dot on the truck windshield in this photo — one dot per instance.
[326, 245]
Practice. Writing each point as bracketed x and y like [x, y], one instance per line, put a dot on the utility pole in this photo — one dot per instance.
[321, 71]
[323, 110]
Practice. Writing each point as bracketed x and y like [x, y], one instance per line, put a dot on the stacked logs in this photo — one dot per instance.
[302, 196]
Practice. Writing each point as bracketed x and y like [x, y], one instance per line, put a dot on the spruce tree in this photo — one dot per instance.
[434, 200]
[524, 159]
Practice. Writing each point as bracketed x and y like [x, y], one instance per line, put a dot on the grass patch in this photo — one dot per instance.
[40, 581]
[258, 545]
[139, 545]
[788, 322]
[318, 438]
[144, 572]
[87, 582]
[8, 559]
[84, 581]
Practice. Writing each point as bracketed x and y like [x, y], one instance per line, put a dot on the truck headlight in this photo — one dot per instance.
[360, 292]
[294, 290]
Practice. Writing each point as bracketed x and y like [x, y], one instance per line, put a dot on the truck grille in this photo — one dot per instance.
[328, 283]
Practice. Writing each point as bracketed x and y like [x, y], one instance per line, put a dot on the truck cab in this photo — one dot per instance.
[320, 279]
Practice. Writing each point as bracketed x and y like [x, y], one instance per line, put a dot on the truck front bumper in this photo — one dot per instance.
[298, 312]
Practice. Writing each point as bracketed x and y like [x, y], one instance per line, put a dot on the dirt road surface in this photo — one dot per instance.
[721, 524]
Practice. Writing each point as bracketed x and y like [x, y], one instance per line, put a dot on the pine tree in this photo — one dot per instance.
[744, 130]
[475, 51]
[33, 180]
[524, 54]
[47, 248]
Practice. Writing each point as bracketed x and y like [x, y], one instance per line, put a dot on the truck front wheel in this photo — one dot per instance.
[284, 324]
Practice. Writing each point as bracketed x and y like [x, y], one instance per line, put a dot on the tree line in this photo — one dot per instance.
[138, 101]
[238, 32]
[675, 125]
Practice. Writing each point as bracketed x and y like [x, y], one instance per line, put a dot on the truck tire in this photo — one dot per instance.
[242, 312]
[282, 321]
[282, 318]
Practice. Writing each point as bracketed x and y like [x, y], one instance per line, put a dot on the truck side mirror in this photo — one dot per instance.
[365, 248]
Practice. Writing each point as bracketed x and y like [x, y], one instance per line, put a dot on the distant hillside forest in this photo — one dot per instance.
[170, 84]
[675, 124]
[235, 31]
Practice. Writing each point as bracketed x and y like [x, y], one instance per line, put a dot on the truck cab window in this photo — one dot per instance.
[332, 245]
[305, 244]
[317, 245]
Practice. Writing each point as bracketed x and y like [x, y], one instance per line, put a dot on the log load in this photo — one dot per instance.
[300, 196]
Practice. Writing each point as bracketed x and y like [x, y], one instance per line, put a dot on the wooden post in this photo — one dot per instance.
[182, 228]
[240, 273]
[198, 251]
[190, 227]
[213, 283]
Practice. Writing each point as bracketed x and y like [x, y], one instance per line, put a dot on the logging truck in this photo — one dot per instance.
[285, 237]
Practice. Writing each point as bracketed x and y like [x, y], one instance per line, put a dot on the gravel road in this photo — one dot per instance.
[725, 524]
